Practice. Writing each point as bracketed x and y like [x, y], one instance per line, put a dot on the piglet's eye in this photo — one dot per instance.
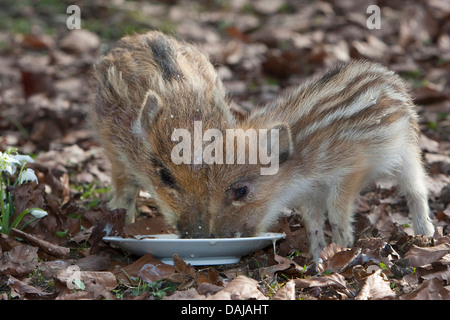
[167, 178]
[240, 193]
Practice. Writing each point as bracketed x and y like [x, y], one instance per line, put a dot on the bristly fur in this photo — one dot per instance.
[354, 125]
[147, 86]
[338, 133]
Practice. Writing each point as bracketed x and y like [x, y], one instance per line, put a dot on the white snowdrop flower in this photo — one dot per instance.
[28, 175]
[38, 213]
[23, 159]
[171, 116]
[8, 163]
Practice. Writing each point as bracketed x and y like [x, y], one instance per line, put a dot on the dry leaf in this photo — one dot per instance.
[282, 265]
[155, 270]
[428, 144]
[94, 262]
[190, 294]
[334, 280]
[111, 224]
[147, 268]
[240, 288]
[105, 278]
[436, 183]
[20, 289]
[65, 188]
[421, 256]
[208, 289]
[373, 48]
[19, 261]
[375, 288]
[336, 258]
[28, 195]
[433, 289]
[182, 267]
[286, 292]
[95, 284]
[80, 41]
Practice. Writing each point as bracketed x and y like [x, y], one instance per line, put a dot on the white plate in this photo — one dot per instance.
[195, 251]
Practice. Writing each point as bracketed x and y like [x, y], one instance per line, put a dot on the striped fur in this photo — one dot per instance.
[146, 87]
[354, 125]
[338, 133]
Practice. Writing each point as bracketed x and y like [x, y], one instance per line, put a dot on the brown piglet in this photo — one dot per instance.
[146, 87]
[162, 116]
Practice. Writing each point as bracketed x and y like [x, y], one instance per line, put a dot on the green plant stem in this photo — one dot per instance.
[19, 175]
[28, 222]
[5, 216]
[20, 217]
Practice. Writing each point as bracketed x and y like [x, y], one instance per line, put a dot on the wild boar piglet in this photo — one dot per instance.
[354, 125]
[146, 88]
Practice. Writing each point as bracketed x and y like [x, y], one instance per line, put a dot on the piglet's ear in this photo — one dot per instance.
[284, 141]
[149, 109]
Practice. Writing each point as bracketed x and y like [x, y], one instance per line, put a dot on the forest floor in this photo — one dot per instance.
[260, 49]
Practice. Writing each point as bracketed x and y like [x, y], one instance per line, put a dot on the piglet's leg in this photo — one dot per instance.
[412, 183]
[313, 216]
[124, 190]
[341, 206]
